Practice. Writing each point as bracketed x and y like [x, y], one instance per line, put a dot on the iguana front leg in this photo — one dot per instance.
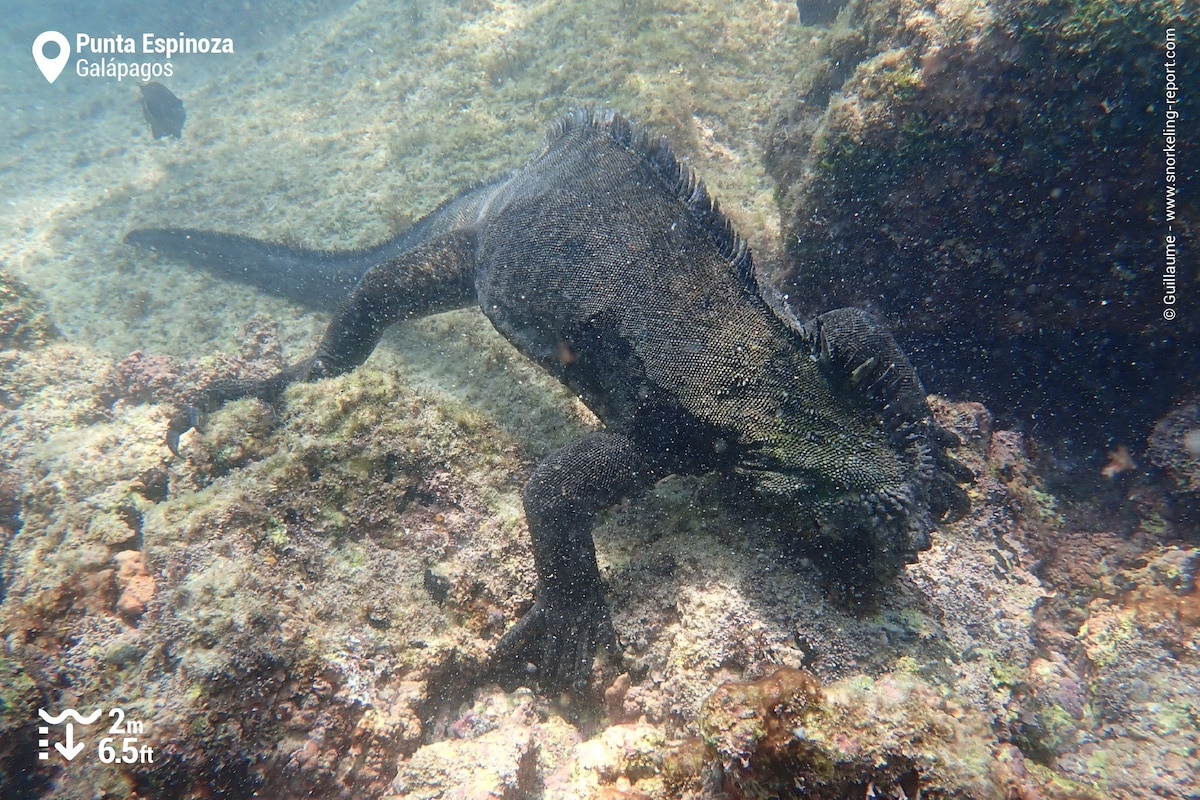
[569, 618]
[437, 275]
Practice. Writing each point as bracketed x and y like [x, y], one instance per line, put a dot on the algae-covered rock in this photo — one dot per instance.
[274, 624]
[1174, 447]
[896, 736]
[236, 613]
[21, 695]
[263, 602]
[1141, 648]
[496, 766]
[782, 736]
[990, 178]
[24, 320]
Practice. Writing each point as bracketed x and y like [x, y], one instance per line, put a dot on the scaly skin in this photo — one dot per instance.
[606, 262]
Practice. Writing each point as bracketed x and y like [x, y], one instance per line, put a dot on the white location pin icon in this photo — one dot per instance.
[51, 67]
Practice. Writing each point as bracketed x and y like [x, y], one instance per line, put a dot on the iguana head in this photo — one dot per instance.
[854, 458]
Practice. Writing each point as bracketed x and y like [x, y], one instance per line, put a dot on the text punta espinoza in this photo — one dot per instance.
[151, 44]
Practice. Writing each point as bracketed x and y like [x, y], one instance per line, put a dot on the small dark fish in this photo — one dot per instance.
[163, 110]
[819, 13]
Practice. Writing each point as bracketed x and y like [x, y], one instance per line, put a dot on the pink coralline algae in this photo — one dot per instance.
[137, 584]
[149, 378]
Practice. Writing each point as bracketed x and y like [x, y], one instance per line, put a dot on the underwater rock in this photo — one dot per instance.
[512, 745]
[136, 583]
[255, 663]
[969, 172]
[163, 110]
[24, 690]
[742, 721]
[497, 766]
[149, 377]
[24, 321]
[1174, 447]
[1141, 644]
[783, 736]
[1058, 713]
[10, 510]
[144, 377]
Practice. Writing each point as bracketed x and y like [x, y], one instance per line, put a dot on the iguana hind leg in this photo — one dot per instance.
[437, 275]
[569, 618]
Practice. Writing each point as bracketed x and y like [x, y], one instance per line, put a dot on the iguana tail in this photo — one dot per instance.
[318, 279]
[315, 278]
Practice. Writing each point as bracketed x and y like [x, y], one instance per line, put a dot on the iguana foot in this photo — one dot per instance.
[559, 637]
[222, 392]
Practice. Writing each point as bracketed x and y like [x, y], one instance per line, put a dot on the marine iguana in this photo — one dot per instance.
[606, 262]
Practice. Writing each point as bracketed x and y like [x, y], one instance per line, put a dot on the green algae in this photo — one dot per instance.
[277, 535]
[19, 695]
[1155, 524]
[1105, 641]
[24, 319]
[350, 557]
[782, 732]
[1096, 25]
[1097, 764]
[1062, 788]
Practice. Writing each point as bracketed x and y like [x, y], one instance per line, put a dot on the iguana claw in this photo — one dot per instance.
[560, 638]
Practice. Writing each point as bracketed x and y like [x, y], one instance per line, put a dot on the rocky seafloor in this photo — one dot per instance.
[302, 604]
